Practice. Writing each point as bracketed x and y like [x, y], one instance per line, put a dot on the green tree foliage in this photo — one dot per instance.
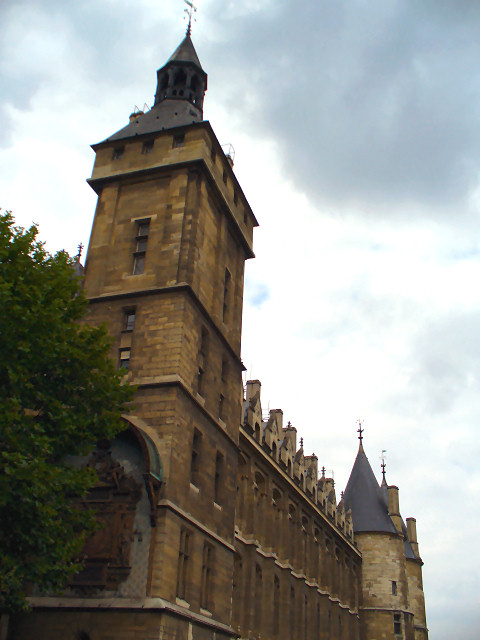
[60, 393]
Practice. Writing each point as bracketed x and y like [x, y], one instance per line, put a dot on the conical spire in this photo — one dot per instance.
[366, 499]
[185, 52]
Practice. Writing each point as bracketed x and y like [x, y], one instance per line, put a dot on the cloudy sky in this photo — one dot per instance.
[356, 126]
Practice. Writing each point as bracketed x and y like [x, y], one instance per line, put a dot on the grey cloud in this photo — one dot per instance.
[373, 105]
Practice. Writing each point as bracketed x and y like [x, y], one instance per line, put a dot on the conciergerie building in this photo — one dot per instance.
[216, 525]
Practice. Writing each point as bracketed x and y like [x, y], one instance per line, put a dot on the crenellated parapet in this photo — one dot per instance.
[281, 444]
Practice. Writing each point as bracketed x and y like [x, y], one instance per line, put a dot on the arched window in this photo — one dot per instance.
[180, 79]
[164, 81]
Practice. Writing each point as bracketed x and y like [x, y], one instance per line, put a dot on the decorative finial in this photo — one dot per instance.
[190, 11]
[342, 493]
[301, 443]
[80, 249]
[383, 465]
[289, 424]
[323, 472]
[360, 431]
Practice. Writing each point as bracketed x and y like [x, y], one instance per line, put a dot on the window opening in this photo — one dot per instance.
[224, 370]
[206, 576]
[129, 320]
[200, 375]
[397, 624]
[276, 606]
[141, 241]
[147, 146]
[217, 489]
[221, 403]
[178, 140]
[226, 292]
[194, 465]
[118, 153]
[125, 358]
[183, 557]
[394, 588]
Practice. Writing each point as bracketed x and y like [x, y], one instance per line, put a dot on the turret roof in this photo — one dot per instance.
[181, 108]
[366, 499]
[185, 52]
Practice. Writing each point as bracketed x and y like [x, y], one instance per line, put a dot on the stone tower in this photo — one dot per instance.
[392, 603]
[165, 270]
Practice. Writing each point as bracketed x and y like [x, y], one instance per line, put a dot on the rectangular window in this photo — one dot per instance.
[226, 292]
[221, 406]
[195, 462]
[141, 241]
[207, 563]
[147, 146]
[200, 375]
[394, 588]
[183, 558]
[225, 177]
[178, 140]
[202, 360]
[118, 153]
[204, 342]
[235, 197]
[129, 320]
[224, 370]
[397, 624]
[218, 486]
[125, 358]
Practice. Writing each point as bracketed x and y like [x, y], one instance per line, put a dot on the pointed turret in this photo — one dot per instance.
[182, 78]
[366, 499]
[181, 86]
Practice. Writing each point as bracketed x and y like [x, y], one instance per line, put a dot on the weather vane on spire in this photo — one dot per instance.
[190, 11]
[383, 465]
[360, 431]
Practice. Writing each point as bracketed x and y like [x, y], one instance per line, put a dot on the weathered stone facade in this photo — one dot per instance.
[235, 533]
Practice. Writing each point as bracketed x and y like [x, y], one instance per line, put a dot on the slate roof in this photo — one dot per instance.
[165, 115]
[171, 112]
[185, 52]
[366, 499]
